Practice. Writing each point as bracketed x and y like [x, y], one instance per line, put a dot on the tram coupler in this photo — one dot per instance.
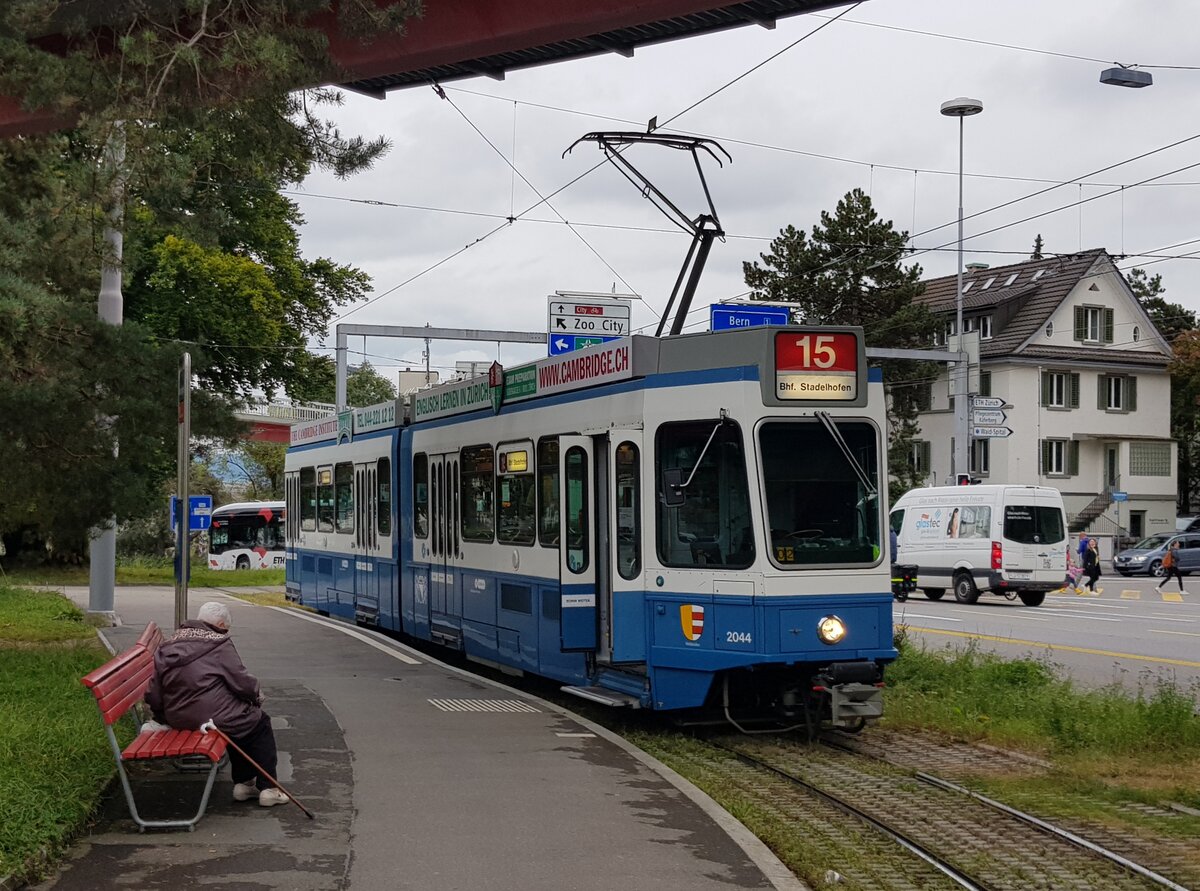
[855, 691]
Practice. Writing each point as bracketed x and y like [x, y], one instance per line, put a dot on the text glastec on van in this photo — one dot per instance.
[1007, 540]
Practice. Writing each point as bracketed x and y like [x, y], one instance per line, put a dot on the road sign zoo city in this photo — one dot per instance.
[578, 322]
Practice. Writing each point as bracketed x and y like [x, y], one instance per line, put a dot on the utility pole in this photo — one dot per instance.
[102, 550]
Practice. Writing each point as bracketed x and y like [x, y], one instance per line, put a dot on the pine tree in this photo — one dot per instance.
[1038, 244]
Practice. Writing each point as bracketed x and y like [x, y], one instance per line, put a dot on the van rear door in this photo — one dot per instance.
[1034, 537]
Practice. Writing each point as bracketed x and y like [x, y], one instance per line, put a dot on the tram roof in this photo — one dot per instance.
[625, 358]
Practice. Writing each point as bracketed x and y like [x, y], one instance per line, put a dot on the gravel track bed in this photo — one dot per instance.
[996, 850]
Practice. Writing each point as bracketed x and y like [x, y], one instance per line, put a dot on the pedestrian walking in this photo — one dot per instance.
[1170, 565]
[1091, 564]
[1083, 546]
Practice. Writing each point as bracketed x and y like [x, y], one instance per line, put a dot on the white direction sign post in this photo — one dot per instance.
[991, 432]
[989, 416]
[986, 402]
[577, 322]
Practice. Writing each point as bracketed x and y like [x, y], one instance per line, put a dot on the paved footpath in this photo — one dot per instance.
[417, 783]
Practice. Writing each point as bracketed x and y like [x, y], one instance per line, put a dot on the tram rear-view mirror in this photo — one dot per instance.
[672, 487]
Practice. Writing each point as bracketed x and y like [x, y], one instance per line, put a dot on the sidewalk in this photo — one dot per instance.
[412, 791]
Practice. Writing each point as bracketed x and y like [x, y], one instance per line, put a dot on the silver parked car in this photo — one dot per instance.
[1145, 557]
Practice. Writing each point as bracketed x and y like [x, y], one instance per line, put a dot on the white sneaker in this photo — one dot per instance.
[271, 797]
[244, 791]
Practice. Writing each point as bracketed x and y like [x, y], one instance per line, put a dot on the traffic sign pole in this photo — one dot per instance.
[183, 562]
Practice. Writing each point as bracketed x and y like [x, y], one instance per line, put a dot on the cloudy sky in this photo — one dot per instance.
[854, 105]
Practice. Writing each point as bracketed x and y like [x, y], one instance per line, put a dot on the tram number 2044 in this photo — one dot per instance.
[738, 637]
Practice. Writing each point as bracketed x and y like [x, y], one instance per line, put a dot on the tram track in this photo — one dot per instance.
[969, 843]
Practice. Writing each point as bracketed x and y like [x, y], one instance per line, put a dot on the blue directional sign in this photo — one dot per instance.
[199, 512]
[727, 316]
[566, 343]
[1120, 496]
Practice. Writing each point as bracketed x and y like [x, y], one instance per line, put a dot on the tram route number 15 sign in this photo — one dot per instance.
[812, 366]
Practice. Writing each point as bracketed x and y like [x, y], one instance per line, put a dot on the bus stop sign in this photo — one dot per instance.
[199, 512]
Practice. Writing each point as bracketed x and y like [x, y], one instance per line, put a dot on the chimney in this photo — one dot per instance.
[976, 266]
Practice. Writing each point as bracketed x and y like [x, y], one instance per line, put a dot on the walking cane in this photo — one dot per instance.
[209, 725]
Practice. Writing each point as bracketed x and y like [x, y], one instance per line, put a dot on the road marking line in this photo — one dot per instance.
[1172, 597]
[576, 735]
[935, 618]
[1049, 646]
[336, 626]
[1131, 595]
[1168, 618]
[1188, 633]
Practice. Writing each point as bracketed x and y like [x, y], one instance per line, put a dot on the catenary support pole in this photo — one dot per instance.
[183, 512]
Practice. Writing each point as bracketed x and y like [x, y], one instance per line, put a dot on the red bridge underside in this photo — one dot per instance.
[466, 38]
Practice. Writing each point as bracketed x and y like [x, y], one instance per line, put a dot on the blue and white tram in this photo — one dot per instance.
[685, 523]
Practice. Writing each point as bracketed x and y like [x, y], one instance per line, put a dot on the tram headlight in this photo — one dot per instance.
[831, 629]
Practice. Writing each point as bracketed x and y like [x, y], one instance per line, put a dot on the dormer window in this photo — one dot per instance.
[985, 327]
[967, 287]
[1012, 278]
[987, 284]
[1093, 324]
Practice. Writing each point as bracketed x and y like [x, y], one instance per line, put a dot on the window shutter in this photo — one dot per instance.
[1102, 391]
[1045, 388]
[985, 383]
[925, 457]
[1073, 458]
[1073, 396]
[1044, 451]
[1080, 323]
[1131, 394]
[1108, 326]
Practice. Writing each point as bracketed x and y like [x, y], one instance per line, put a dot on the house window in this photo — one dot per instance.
[981, 456]
[967, 287]
[924, 395]
[1093, 324]
[985, 327]
[1012, 278]
[1060, 389]
[1117, 393]
[1060, 457]
[1149, 459]
[1038, 275]
[969, 325]
[1049, 329]
[987, 284]
[951, 328]
[1137, 333]
[919, 457]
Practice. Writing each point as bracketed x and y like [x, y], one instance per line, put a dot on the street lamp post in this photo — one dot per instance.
[960, 108]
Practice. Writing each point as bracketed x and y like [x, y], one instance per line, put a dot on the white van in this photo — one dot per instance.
[1009, 540]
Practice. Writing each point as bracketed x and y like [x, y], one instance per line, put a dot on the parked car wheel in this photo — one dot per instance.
[934, 593]
[1156, 568]
[964, 588]
[1032, 598]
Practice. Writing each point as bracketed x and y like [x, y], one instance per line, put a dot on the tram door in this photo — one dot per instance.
[578, 569]
[366, 590]
[444, 546]
[623, 617]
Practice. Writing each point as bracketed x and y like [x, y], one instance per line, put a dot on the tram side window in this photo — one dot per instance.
[343, 480]
[308, 499]
[712, 523]
[478, 493]
[420, 496]
[515, 496]
[819, 510]
[547, 486]
[383, 482]
[629, 511]
[325, 499]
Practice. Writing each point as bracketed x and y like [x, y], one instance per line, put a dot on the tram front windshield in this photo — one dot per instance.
[819, 510]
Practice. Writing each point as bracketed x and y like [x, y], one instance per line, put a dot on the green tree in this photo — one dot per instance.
[849, 272]
[364, 385]
[256, 468]
[1170, 319]
[211, 246]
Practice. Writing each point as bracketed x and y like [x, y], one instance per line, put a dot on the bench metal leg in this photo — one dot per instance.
[143, 825]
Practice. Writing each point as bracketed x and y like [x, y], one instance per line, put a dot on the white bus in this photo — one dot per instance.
[247, 535]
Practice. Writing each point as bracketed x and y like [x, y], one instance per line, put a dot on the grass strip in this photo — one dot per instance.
[145, 571]
[54, 759]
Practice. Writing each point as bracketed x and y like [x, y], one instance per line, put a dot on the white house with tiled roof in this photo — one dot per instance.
[1083, 374]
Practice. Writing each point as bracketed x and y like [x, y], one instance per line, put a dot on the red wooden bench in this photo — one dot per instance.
[118, 685]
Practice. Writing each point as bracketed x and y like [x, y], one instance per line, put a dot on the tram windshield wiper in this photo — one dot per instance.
[828, 424]
[673, 482]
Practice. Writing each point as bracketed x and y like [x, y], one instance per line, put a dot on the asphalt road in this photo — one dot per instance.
[1128, 633]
